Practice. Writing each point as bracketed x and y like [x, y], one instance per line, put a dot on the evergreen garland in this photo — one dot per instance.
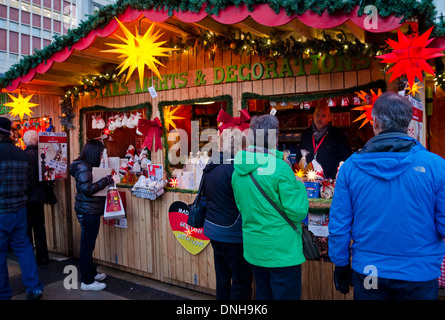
[424, 11]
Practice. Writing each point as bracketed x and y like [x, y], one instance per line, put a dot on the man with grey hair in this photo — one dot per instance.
[271, 245]
[390, 201]
[36, 200]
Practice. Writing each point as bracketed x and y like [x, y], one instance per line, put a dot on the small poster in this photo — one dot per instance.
[318, 224]
[52, 156]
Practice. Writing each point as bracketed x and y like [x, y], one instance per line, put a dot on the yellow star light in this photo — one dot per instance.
[139, 51]
[169, 117]
[20, 105]
[300, 173]
[415, 88]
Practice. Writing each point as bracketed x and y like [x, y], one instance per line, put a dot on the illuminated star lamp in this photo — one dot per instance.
[311, 175]
[139, 51]
[20, 105]
[300, 173]
[367, 108]
[414, 88]
[409, 56]
[169, 117]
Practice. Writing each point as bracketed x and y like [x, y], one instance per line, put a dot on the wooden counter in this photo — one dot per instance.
[148, 247]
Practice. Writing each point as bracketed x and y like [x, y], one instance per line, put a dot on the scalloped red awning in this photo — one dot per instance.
[262, 14]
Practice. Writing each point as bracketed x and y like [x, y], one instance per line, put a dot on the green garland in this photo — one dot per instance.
[146, 105]
[246, 96]
[161, 106]
[423, 11]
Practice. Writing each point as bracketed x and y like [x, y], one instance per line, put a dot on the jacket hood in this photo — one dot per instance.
[75, 166]
[387, 155]
[223, 159]
[248, 160]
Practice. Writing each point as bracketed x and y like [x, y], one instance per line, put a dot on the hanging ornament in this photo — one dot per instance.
[233, 46]
[344, 101]
[413, 89]
[139, 51]
[368, 107]
[410, 55]
[356, 100]
[169, 117]
[331, 102]
[20, 105]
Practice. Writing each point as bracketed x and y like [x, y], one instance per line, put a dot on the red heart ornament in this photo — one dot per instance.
[192, 239]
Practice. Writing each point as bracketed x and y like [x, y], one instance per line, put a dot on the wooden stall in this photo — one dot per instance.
[78, 80]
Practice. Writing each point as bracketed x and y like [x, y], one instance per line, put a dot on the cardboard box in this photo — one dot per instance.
[313, 189]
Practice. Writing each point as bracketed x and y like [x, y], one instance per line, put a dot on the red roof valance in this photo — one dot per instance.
[262, 14]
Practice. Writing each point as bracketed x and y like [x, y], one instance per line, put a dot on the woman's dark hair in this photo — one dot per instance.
[91, 152]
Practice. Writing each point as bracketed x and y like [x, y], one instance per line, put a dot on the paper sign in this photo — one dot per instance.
[52, 151]
[152, 91]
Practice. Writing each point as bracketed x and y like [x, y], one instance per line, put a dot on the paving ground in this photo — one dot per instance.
[120, 285]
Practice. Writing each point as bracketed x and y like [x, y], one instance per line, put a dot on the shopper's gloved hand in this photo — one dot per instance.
[343, 278]
[110, 179]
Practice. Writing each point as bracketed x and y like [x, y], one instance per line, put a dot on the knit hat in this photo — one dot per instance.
[5, 126]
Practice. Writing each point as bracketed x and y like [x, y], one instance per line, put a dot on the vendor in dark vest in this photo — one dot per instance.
[324, 142]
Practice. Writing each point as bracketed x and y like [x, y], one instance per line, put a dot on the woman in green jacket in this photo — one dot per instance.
[271, 246]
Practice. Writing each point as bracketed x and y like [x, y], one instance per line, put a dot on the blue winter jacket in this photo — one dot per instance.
[389, 200]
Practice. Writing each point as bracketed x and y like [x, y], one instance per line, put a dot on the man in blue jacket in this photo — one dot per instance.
[390, 201]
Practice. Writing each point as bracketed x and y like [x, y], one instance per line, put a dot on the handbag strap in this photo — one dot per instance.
[200, 191]
[273, 204]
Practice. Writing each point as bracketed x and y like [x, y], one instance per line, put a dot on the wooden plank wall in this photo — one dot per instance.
[148, 247]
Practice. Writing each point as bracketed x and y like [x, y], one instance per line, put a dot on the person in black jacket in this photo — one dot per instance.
[223, 225]
[36, 200]
[14, 184]
[325, 143]
[89, 209]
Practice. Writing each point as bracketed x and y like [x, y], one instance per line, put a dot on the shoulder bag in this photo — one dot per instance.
[197, 209]
[310, 247]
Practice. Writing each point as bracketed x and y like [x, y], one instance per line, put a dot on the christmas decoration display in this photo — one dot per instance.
[366, 116]
[409, 56]
[139, 51]
[228, 121]
[20, 105]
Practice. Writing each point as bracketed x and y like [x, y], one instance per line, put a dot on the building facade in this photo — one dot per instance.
[28, 25]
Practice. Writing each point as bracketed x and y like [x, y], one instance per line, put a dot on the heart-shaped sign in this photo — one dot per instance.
[192, 239]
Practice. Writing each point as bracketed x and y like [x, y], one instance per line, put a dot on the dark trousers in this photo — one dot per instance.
[390, 289]
[277, 283]
[89, 229]
[233, 273]
[36, 230]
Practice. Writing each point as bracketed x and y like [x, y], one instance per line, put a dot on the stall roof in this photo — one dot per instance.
[79, 53]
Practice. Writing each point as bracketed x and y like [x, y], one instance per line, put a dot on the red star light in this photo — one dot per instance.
[366, 116]
[409, 56]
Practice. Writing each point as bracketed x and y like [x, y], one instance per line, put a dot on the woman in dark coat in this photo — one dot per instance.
[88, 209]
[223, 225]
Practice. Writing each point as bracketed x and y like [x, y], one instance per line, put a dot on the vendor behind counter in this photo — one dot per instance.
[324, 142]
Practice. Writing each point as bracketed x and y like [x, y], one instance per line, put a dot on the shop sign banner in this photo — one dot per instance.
[52, 151]
[192, 239]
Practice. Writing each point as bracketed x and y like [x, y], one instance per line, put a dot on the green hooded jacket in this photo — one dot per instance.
[269, 241]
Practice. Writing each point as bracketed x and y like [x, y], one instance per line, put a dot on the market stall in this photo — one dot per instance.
[232, 59]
